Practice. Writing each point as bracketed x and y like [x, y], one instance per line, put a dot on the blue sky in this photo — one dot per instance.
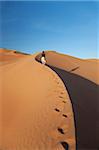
[66, 27]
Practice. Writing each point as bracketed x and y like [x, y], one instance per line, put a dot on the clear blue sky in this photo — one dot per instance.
[66, 27]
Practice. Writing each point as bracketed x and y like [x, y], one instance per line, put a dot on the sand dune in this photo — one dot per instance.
[10, 56]
[84, 68]
[92, 60]
[81, 79]
[84, 96]
[36, 112]
[53, 107]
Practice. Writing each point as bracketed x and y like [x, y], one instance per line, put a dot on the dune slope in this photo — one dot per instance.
[36, 111]
[85, 68]
[84, 96]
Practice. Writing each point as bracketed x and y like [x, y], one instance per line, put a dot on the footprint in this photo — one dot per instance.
[64, 115]
[64, 101]
[61, 97]
[65, 145]
[62, 92]
[57, 109]
[61, 130]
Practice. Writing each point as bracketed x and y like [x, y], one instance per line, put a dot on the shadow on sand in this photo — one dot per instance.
[84, 96]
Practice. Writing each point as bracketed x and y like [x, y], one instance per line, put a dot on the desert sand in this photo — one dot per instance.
[48, 107]
[36, 112]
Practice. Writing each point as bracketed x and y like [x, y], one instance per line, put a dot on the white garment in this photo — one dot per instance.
[43, 61]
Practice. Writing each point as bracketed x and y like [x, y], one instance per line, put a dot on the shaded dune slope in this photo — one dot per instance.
[80, 78]
[84, 96]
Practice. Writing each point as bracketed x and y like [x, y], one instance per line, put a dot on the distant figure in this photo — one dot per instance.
[43, 59]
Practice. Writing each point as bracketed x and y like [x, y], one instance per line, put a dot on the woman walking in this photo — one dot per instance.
[43, 59]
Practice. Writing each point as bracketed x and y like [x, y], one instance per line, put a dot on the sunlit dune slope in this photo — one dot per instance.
[82, 67]
[10, 56]
[35, 109]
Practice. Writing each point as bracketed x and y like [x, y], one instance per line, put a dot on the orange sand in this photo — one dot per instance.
[30, 95]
